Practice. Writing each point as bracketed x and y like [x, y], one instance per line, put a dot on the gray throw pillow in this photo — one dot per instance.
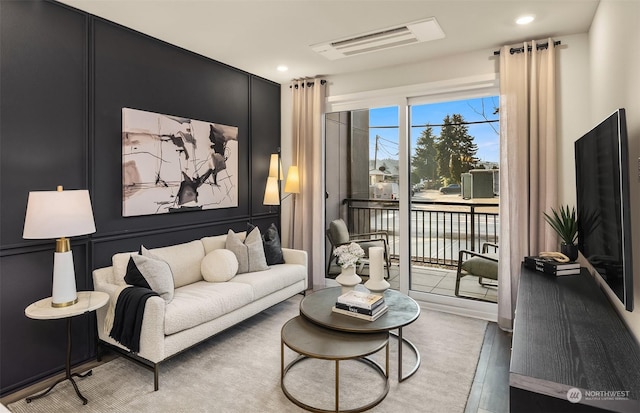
[152, 273]
[250, 253]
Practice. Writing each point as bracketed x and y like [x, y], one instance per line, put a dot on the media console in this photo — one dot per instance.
[569, 343]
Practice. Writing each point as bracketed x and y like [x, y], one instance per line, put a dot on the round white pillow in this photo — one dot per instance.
[219, 265]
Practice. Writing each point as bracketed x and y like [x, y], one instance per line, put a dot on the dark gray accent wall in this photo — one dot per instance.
[65, 77]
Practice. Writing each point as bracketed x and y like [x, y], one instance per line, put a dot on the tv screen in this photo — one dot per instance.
[604, 228]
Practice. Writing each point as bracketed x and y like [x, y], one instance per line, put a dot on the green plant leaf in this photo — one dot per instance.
[564, 222]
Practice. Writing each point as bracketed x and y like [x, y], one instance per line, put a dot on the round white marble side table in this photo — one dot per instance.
[42, 310]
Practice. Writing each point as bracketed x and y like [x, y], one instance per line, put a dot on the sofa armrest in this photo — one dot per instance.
[102, 277]
[292, 256]
[152, 331]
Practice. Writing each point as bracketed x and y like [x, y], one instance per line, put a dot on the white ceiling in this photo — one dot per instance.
[258, 35]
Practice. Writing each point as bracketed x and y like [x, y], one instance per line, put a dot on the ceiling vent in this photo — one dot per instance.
[411, 33]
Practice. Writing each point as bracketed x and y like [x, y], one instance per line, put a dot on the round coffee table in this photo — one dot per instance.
[403, 310]
[312, 341]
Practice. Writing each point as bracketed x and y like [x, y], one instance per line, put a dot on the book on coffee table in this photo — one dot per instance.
[377, 314]
[356, 309]
[361, 299]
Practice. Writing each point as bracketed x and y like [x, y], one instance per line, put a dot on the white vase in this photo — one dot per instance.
[348, 278]
[376, 283]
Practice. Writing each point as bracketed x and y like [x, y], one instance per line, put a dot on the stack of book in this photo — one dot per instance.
[551, 266]
[361, 305]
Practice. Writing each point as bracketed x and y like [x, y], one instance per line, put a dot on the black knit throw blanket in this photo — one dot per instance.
[127, 320]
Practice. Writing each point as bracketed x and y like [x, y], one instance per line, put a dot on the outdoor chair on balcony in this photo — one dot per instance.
[338, 234]
[483, 265]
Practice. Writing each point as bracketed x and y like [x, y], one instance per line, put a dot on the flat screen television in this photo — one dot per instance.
[604, 215]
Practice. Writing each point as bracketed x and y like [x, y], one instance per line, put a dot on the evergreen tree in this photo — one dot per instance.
[455, 149]
[424, 161]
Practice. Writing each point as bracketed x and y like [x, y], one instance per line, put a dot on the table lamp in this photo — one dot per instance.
[60, 214]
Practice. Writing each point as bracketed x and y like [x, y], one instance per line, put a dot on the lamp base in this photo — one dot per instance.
[64, 280]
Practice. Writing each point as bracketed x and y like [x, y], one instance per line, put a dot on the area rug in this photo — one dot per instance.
[239, 371]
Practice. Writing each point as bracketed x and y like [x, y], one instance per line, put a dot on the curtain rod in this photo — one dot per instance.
[308, 84]
[529, 48]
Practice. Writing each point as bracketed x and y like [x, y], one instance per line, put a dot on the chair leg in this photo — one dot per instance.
[457, 290]
[458, 274]
[156, 373]
[331, 259]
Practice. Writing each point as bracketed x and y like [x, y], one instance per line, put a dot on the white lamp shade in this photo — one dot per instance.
[293, 181]
[274, 163]
[57, 214]
[271, 193]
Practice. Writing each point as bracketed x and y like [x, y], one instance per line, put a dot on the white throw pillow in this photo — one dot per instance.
[219, 266]
[250, 253]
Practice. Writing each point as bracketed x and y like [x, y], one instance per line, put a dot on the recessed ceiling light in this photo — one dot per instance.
[282, 68]
[525, 19]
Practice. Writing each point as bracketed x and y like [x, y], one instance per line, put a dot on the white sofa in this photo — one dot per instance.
[199, 309]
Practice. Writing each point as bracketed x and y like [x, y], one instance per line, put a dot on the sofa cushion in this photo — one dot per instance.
[250, 253]
[217, 242]
[274, 279]
[219, 265]
[202, 301]
[120, 261]
[184, 260]
[154, 274]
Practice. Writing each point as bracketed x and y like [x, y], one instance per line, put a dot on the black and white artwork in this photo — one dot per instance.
[174, 164]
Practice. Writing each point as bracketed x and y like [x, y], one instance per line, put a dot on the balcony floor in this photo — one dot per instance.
[442, 281]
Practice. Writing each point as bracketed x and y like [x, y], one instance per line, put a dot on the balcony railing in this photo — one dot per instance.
[438, 229]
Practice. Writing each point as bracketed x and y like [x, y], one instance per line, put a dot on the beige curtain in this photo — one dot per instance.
[307, 214]
[528, 170]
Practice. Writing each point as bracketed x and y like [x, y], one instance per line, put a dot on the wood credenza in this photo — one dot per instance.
[569, 342]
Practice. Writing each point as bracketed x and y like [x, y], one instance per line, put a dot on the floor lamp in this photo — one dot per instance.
[60, 214]
[292, 186]
[272, 195]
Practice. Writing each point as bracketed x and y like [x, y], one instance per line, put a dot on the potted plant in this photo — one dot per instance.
[565, 223]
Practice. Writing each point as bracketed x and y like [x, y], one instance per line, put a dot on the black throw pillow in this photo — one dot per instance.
[271, 244]
[148, 272]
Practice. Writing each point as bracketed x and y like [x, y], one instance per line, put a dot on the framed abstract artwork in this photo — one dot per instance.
[173, 164]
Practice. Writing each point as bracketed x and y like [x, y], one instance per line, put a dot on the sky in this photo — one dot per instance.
[471, 110]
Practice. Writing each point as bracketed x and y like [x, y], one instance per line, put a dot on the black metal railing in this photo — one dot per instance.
[439, 229]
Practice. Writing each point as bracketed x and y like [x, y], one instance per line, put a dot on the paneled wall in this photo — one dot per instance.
[65, 77]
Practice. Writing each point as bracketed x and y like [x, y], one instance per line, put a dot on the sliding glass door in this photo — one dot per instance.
[363, 179]
[425, 171]
[454, 178]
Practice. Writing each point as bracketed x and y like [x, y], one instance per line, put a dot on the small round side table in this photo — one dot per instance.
[42, 310]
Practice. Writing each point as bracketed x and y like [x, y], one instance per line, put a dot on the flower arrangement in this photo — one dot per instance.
[348, 254]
